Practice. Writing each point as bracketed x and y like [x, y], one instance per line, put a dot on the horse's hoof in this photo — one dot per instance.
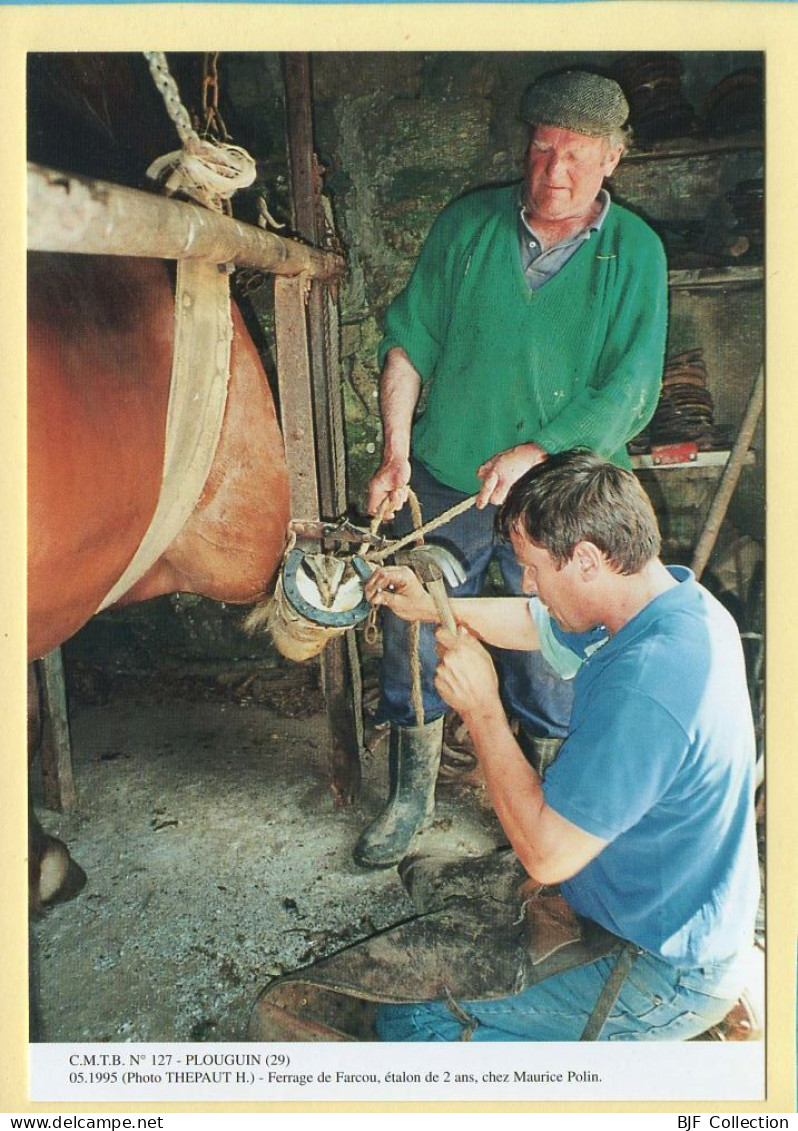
[60, 878]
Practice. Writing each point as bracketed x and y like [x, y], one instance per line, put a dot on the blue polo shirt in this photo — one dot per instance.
[659, 761]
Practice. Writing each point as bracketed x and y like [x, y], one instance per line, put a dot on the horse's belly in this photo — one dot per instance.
[100, 340]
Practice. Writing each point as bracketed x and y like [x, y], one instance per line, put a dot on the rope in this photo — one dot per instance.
[414, 628]
[418, 534]
[162, 77]
[207, 171]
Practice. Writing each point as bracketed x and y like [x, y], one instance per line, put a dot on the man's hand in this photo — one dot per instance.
[466, 677]
[398, 588]
[389, 485]
[499, 473]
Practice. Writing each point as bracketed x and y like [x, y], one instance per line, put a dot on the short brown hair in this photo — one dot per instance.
[576, 496]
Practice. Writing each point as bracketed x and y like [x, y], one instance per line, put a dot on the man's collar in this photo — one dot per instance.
[594, 226]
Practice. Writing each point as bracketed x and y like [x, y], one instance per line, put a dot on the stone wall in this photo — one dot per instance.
[400, 134]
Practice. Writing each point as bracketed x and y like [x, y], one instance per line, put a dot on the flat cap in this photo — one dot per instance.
[581, 101]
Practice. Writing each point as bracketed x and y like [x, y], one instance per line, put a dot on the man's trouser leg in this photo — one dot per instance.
[469, 537]
[532, 692]
[414, 751]
[654, 1004]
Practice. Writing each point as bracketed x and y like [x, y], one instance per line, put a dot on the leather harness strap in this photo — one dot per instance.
[601, 1010]
[610, 991]
[197, 400]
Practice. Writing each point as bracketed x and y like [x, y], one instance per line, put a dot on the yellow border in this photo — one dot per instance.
[679, 25]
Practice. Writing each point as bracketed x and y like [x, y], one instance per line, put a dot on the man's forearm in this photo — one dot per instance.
[400, 387]
[550, 848]
[514, 786]
[504, 622]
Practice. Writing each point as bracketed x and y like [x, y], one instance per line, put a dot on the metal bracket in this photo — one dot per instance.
[341, 530]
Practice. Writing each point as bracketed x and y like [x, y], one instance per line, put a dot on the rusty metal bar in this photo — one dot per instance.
[76, 214]
[296, 401]
[340, 663]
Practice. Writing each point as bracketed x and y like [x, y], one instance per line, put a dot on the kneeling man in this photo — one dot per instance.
[646, 817]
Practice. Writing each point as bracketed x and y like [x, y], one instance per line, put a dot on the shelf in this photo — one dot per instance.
[695, 147]
[694, 277]
[707, 461]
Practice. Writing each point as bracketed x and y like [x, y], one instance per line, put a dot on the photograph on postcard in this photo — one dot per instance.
[396, 501]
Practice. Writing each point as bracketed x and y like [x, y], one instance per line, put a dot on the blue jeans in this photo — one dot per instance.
[531, 690]
[658, 1002]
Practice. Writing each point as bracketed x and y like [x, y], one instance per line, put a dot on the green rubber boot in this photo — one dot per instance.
[414, 756]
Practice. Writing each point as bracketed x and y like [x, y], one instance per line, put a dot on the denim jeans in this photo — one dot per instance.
[657, 1002]
[531, 690]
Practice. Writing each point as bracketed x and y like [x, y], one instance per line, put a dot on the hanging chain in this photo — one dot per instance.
[212, 120]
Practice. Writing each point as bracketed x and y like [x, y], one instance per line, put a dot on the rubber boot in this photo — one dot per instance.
[414, 755]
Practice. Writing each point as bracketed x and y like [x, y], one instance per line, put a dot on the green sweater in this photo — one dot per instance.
[577, 363]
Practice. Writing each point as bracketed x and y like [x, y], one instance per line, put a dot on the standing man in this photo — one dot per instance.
[646, 817]
[535, 321]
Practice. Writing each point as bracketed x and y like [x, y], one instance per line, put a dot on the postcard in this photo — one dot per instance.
[270, 860]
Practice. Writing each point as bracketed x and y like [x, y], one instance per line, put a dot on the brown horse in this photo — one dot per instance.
[100, 336]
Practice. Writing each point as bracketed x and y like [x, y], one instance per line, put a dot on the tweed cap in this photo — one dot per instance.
[581, 101]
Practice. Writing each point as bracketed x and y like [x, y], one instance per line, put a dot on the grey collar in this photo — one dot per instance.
[595, 226]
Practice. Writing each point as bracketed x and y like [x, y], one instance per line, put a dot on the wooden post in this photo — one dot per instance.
[58, 785]
[340, 665]
[731, 474]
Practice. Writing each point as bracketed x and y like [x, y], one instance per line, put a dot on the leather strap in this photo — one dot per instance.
[197, 400]
[609, 994]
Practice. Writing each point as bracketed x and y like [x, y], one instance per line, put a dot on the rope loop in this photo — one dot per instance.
[206, 171]
[414, 628]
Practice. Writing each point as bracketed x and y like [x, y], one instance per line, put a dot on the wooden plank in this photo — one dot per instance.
[58, 783]
[75, 214]
[751, 274]
[674, 148]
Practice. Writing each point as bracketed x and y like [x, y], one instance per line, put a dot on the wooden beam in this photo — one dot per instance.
[75, 214]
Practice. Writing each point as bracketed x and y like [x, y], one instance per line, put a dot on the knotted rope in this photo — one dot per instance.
[209, 172]
[420, 529]
[418, 533]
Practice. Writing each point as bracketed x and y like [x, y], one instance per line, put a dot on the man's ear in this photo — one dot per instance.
[614, 154]
[588, 559]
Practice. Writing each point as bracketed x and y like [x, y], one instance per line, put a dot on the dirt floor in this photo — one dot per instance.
[215, 860]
